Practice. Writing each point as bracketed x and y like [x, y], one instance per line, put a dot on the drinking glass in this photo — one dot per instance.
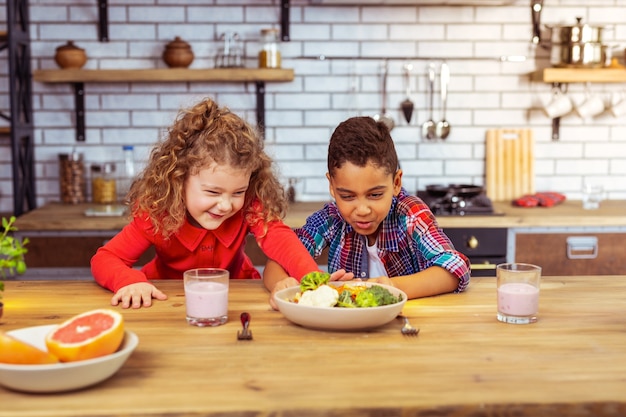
[518, 292]
[206, 296]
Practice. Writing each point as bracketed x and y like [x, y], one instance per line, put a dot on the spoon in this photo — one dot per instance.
[407, 105]
[428, 127]
[384, 117]
[443, 127]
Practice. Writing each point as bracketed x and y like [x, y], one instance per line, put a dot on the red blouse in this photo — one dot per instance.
[195, 247]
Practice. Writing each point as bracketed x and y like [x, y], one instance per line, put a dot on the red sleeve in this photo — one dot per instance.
[282, 245]
[112, 264]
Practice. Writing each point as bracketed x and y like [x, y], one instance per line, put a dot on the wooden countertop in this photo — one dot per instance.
[463, 363]
[57, 216]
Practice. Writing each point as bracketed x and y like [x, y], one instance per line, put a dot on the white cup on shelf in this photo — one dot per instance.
[559, 105]
[617, 105]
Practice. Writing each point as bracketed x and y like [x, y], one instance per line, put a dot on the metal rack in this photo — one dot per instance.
[17, 41]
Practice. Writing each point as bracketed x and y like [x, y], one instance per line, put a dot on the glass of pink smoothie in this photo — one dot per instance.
[518, 292]
[206, 296]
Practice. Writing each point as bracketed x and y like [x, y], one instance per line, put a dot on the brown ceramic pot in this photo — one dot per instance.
[178, 54]
[70, 56]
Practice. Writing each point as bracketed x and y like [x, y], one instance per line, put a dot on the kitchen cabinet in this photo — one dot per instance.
[572, 252]
[78, 78]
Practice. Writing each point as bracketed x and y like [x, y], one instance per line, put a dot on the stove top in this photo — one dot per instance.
[457, 200]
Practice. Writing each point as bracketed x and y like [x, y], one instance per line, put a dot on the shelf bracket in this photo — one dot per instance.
[284, 20]
[103, 24]
[556, 122]
[260, 107]
[79, 107]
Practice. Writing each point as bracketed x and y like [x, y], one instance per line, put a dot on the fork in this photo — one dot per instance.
[407, 329]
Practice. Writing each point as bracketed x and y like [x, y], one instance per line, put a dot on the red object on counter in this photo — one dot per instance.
[544, 199]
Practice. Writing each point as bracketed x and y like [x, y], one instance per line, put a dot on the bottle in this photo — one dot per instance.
[269, 55]
[129, 169]
[103, 184]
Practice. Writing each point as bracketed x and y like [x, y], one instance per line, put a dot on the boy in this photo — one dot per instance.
[375, 229]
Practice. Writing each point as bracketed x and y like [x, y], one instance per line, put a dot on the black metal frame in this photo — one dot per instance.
[20, 91]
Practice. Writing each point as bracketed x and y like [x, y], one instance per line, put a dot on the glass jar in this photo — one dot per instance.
[72, 181]
[103, 183]
[269, 55]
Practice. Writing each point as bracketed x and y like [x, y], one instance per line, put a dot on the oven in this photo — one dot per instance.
[485, 247]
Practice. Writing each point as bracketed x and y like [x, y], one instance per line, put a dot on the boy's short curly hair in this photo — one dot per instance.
[360, 140]
[200, 136]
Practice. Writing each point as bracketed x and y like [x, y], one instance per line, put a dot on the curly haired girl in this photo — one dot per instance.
[205, 188]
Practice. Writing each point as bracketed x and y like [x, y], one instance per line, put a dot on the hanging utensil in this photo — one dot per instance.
[443, 127]
[407, 105]
[428, 127]
[385, 117]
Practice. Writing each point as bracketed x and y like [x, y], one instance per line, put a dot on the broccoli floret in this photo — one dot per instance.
[312, 280]
[375, 296]
[345, 299]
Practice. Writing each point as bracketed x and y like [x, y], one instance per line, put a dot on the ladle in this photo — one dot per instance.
[428, 127]
[407, 105]
[443, 127]
[384, 117]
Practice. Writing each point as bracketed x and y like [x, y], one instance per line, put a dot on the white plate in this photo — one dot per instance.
[60, 377]
[338, 318]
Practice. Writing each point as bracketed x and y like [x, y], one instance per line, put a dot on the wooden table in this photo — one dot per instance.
[572, 362]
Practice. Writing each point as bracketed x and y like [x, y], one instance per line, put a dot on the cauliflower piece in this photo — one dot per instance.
[323, 296]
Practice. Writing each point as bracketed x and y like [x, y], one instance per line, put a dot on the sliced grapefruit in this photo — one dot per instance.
[16, 352]
[88, 335]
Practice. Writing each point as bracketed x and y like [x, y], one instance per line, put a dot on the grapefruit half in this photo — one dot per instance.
[88, 335]
[16, 352]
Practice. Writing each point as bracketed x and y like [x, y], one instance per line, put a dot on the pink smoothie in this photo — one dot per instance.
[518, 299]
[206, 299]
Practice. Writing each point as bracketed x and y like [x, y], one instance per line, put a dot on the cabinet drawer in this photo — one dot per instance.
[559, 254]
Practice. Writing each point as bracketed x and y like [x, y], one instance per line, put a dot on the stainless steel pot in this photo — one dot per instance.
[578, 45]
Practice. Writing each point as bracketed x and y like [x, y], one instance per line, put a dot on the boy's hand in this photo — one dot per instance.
[382, 280]
[137, 295]
[281, 285]
[341, 275]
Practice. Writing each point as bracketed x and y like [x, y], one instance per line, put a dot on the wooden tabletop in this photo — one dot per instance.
[572, 362]
[68, 217]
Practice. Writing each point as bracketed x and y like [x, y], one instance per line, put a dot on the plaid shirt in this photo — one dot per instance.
[409, 241]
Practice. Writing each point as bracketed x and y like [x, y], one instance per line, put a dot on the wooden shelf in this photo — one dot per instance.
[78, 78]
[580, 75]
[164, 75]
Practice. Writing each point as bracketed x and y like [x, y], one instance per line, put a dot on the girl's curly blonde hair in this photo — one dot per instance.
[202, 135]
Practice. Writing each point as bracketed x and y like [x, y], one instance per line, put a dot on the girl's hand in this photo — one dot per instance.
[137, 295]
[281, 285]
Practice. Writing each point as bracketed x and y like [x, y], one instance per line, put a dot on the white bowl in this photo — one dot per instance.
[60, 377]
[338, 318]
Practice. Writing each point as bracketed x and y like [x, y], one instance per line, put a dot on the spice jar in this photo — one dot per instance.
[103, 187]
[269, 55]
[72, 178]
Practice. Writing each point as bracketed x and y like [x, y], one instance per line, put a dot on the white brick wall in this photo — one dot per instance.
[484, 93]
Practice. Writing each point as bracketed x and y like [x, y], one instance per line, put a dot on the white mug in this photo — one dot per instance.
[591, 106]
[560, 105]
[618, 104]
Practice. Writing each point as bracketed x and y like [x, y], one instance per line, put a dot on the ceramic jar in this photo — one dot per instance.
[178, 54]
[70, 56]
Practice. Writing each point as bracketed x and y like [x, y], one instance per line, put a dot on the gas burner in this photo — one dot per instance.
[456, 200]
